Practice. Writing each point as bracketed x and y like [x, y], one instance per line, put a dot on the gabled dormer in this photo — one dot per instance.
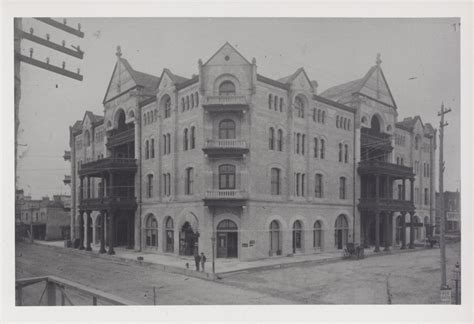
[227, 55]
[299, 80]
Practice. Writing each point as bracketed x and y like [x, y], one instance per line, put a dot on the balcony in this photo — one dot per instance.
[225, 103]
[379, 141]
[114, 202]
[121, 138]
[67, 179]
[385, 168]
[225, 147]
[385, 204]
[67, 156]
[96, 168]
[225, 198]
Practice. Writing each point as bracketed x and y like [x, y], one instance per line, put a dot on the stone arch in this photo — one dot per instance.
[377, 124]
[226, 77]
[119, 119]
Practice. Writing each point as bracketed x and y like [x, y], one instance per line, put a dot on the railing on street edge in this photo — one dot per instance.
[54, 284]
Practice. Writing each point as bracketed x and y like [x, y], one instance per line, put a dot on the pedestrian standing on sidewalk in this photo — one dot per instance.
[203, 261]
[197, 259]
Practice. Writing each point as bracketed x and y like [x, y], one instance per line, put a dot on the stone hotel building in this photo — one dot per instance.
[253, 166]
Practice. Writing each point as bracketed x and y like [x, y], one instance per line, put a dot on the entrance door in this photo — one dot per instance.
[227, 239]
[340, 241]
[122, 231]
[232, 245]
[222, 245]
[187, 240]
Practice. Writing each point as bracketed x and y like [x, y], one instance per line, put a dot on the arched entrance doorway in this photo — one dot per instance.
[151, 232]
[188, 240]
[297, 236]
[341, 232]
[169, 234]
[275, 237]
[227, 239]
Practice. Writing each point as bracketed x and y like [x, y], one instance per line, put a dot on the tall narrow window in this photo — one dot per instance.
[149, 186]
[227, 129]
[297, 183]
[298, 137]
[340, 152]
[147, 150]
[275, 103]
[275, 181]
[280, 140]
[346, 153]
[193, 137]
[315, 147]
[427, 197]
[348, 124]
[196, 96]
[314, 114]
[192, 100]
[319, 116]
[187, 102]
[168, 107]
[227, 88]
[281, 104]
[318, 185]
[271, 139]
[189, 181]
[303, 144]
[342, 188]
[323, 117]
[323, 149]
[168, 137]
[226, 176]
[185, 140]
[337, 121]
[183, 106]
[270, 100]
[164, 144]
[317, 235]
[164, 179]
[303, 185]
[152, 148]
[299, 106]
[169, 184]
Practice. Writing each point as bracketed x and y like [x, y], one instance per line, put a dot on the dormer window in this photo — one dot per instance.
[299, 106]
[227, 88]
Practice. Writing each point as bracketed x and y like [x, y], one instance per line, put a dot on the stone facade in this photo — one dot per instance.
[261, 167]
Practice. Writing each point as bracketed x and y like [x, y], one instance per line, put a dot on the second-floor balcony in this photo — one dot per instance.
[225, 147]
[120, 138]
[67, 179]
[97, 167]
[113, 202]
[373, 167]
[385, 204]
[67, 156]
[225, 103]
[225, 197]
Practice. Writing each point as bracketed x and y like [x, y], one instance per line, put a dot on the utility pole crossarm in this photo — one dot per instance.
[63, 27]
[46, 42]
[49, 67]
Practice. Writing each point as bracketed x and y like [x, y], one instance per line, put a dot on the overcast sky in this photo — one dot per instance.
[332, 51]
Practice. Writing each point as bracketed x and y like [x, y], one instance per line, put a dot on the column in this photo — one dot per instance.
[366, 230]
[102, 216]
[81, 230]
[404, 231]
[403, 195]
[388, 218]
[81, 190]
[412, 231]
[130, 229]
[88, 231]
[412, 191]
[377, 230]
[111, 228]
[88, 187]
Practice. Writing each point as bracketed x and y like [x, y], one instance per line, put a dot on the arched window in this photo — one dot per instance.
[280, 140]
[349, 124]
[315, 154]
[169, 233]
[196, 96]
[303, 144]
[298, 137]
[314, 114]
[227, 88]
[341, 232]
[323, 149]
[319, 116]
[144, 119]
[193, 137]
[227, 177]
[297, 236]
[164, 144]
[155, 114]
[147, 150]
[187, 102]
[167, 107]
[318, 185]
[227, 129]
[270, 100]
[275, 236]
[299, 106]
[375, 125]
[342, 188]
[275, 105]
[427, 196]
[152, 148]
[189, 182]
[87, 138]
[281, 104]
[151, 232]
[168, 138]
[303, 185]
[185, 139]
[227, 225]
[275, 181]
[317, 235]
[183, 105]
[337, 121]
[346, 153]
[345, 123]
[417, 142]
[340, 152]
[323, 117]
[271, 139]
[192, 100]
[149, 186]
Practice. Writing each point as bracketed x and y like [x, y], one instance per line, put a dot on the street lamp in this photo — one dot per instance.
[213, 239]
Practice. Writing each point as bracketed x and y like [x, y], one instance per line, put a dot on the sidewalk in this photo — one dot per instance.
[223, 267]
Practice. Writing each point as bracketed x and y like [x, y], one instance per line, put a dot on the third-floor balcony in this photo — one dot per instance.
[225, 147]
[225, 198]
[118, 202]
[97, 167]
[225, 103]
[372, 167]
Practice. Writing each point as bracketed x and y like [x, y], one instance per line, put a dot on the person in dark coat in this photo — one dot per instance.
[197, 259]
[203, 261]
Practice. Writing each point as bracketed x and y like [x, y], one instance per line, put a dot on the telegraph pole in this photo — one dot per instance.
[442, 242]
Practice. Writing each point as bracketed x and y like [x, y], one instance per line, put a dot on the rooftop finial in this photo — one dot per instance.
[378, 60]
[119, 51]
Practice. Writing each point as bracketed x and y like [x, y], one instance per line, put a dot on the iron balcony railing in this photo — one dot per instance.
[106, 164]
[225, 194]
[380, 167]
[125, 202]
[225, 100]
[70, 293]
[226, 143]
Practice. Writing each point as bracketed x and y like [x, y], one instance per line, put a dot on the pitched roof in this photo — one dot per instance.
[291, 77]
[343, 92]
[175, 78]
[147, 81]
[408, 123]
[233, 48]
[95, 119]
